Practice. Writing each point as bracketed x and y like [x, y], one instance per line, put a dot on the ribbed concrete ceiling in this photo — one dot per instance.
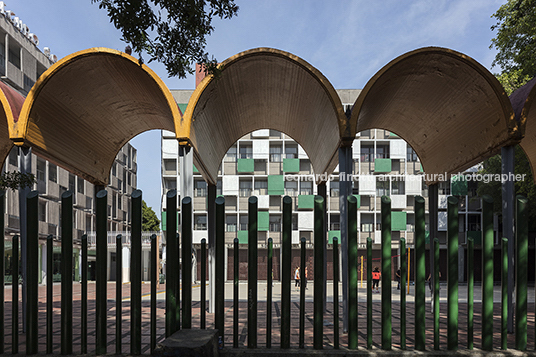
[88, 105]
[263, 88]
[11, 102]
[522, 102]
[449, 108]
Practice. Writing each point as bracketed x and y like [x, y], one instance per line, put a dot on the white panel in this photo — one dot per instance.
[356, 149]
[442, 221]
[263, 201]
[169, 134]
[367, 184]
[198, 235]
[295, 237]
[170, 149]
[301, 153]
[263, 133]
[305, 221]
[230, 185]
[398, 149]
[261, 149]
[413, 185]
[398, 201]
[377, 238]
[336, 170]
[442, 201]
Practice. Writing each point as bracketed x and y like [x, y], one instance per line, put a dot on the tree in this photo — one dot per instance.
[512, 80]
[150, 221]
[516, 37]
[15, 180]
[171, 32]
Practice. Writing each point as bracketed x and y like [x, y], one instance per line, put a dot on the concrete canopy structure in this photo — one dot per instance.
[11, 102]
[522, 101]
[449, 108]
[88, 105]
[263, 88]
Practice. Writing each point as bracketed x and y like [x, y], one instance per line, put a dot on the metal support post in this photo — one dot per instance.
[507, 168]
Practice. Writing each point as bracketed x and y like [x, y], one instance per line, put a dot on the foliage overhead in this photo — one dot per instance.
[169, 31]
[516, 37]
[512, 80]
[15, 180]
[149, 222]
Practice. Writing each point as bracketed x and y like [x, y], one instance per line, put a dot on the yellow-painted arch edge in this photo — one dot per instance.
[184, 126]
[19, 130]
[7, 110]
[516, 131]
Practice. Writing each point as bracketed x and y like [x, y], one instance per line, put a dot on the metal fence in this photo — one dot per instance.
[179, 308]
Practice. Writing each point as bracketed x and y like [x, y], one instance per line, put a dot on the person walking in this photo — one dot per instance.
[397, 275]
[304, 279]
[376, 274]
[297, 278]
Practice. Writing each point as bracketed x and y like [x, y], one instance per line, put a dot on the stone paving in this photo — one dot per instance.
[261, 325]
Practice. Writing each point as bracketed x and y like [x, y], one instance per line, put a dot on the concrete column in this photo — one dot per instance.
[211, 226]
[507, 155]
[433, 198]
[345, 190]
[25, 165]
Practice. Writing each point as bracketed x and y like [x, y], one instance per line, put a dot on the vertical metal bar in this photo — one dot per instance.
[345, 187]
[219, 247]
[187, 263]
[172, 265]
[118, 293]
[32, 271]
[319, 243]
[420, 270]
[521, 273]
[352, 272]
[50, 282]
[303, 264]
[435, 294]
[2, 266]
[369, 293]
[470, 292]
[203, 283]
[452, 276]
[211, 231]
[83, 303]
[236, 286]
[269, 280]
[487, 273]
[433, 199]
[286, 250]
[403, 268]
[386, 273]
[66, 273]
[508, 208]
[154, 281]
[136, 268]
[336, 292]
[504, 294]
[101, 291]
[252, 272]
[25, 165]
[15, 296]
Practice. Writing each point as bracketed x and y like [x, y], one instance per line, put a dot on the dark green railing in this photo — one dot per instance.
[174, 305]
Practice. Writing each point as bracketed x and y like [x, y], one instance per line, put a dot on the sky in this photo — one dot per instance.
[347, 40]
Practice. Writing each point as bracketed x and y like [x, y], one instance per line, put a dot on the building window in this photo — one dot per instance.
[261, 187]
[245, 188]
[243, 222]
[200, 222]
[230, 223]
[80, 185]
[170, 167]
[291, 151]
[291, 188]
[275, 153]
[355, 187]
[367, 153]
[334, 189]
[52, 172]
[14, 156]
[170, 184]
[275, 223]
[41, 168]
[306, 187]
[382, 151]
[231, 155]
[246, 151]
[382, 186]
[42, 210]
[218, 188]
[334, 222]
[114, 169]
[411, 155]
[200, 188]
[398, 187]
[14, 56]
[72, 183]
[367, 227]
[443, 188]
[28, 83]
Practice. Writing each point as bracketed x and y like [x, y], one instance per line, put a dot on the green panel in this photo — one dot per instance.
[459, 187]
[245, 165]
[91, 253]
[163, 221]
[392, 135]
[195, 169]
[291, 165]
[333, 234]
[427, 237]
[276, 185]
[306, 201]
[263, 223]
[476, 235]
[421, 168]
[358, 197]
[243, 237]
[382, 165]
[398, 221]
[182, 107]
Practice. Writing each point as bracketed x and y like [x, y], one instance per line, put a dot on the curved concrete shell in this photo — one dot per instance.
[85, 107]
[263, 88]
[522, 102]
[448, 107]
[11, 104]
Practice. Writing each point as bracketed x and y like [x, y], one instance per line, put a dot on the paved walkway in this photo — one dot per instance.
[261, 326]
